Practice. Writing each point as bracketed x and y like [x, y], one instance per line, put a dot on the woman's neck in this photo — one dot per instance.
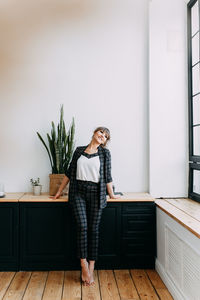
[93, 146]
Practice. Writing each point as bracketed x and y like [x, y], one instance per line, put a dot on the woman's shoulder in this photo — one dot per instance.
[80, 148]
[106, 150]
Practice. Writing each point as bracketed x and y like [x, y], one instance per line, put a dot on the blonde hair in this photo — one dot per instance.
[104, 129]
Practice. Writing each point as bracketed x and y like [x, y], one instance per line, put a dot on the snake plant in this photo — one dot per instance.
[61, 145]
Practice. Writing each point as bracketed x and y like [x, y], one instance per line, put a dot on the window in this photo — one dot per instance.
[194, 97]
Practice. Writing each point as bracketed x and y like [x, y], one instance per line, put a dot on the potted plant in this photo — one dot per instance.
[37, 187]
[60, 150]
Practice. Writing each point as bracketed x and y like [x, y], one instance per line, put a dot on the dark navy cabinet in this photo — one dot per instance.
[138, 235]
[42, 236]
[9, 236]
[45, 236]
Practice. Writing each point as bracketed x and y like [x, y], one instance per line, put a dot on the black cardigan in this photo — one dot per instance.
[105, 173]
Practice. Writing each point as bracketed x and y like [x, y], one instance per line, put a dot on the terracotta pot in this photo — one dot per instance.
[55, 181]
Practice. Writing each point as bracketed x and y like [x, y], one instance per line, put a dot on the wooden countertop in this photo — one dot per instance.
[44, 197]
[132, 197]
[184, 210]
[128, 197]
[11, 197]
[29, 197]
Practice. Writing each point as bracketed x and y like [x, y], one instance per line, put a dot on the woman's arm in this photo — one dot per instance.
[110, 191]
[64, 182]
[108, 176]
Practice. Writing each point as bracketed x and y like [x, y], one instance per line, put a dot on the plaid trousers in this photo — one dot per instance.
[87, 216]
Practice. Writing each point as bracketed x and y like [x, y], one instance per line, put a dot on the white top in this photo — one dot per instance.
[88, 168]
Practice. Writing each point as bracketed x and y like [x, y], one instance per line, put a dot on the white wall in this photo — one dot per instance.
[92, 56]
[168, 112]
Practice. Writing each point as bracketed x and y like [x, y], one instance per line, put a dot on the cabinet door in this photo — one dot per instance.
[109, 237]
[9, 222]
[138, 235]
[44, 236]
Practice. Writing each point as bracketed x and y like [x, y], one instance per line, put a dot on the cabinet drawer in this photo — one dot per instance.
[138, 208]
[137, 223]
[138, 246]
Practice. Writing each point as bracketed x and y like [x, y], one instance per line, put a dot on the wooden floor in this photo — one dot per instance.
[65, 285]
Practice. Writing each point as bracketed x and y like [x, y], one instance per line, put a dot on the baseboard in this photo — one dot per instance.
[173, 289]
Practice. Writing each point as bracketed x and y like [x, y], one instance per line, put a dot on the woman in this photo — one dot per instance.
[89, 174]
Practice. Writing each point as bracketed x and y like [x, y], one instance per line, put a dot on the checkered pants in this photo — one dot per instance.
[87, 216]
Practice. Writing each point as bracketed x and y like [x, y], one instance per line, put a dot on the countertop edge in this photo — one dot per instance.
[28, 197]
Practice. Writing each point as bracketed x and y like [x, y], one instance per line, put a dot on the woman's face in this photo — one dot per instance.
[100, 136]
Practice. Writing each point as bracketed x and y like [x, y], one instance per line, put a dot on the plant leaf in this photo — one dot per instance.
[46, 148]
[61, 144]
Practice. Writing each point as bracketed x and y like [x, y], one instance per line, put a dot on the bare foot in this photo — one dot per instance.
[85, 274]
[92, 282]
[91, 270]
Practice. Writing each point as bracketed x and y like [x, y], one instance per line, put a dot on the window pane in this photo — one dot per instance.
[195, 49]
[195, 80]
[196, 140]
[196, 110]
[196, 181]
[195, 19]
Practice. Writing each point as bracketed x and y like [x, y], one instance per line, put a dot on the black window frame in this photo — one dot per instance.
[194, 160]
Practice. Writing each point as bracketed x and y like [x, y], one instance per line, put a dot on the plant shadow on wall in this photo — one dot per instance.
[60, 150]
[21, 21]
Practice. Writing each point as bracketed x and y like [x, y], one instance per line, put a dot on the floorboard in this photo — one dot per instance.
[72, 286]
[18, 286]
[54, 286]
[36, 286]
[126, 286]
[5, 280]
[135, 284]
[159, 285]
[144, 287]
[108, 285]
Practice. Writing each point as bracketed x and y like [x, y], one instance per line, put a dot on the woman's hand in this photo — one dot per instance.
[111, 192]
[57, 195]
[114, 196]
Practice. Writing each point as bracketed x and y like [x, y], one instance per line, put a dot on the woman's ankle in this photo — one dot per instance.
[83, 262]
[91, 265]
